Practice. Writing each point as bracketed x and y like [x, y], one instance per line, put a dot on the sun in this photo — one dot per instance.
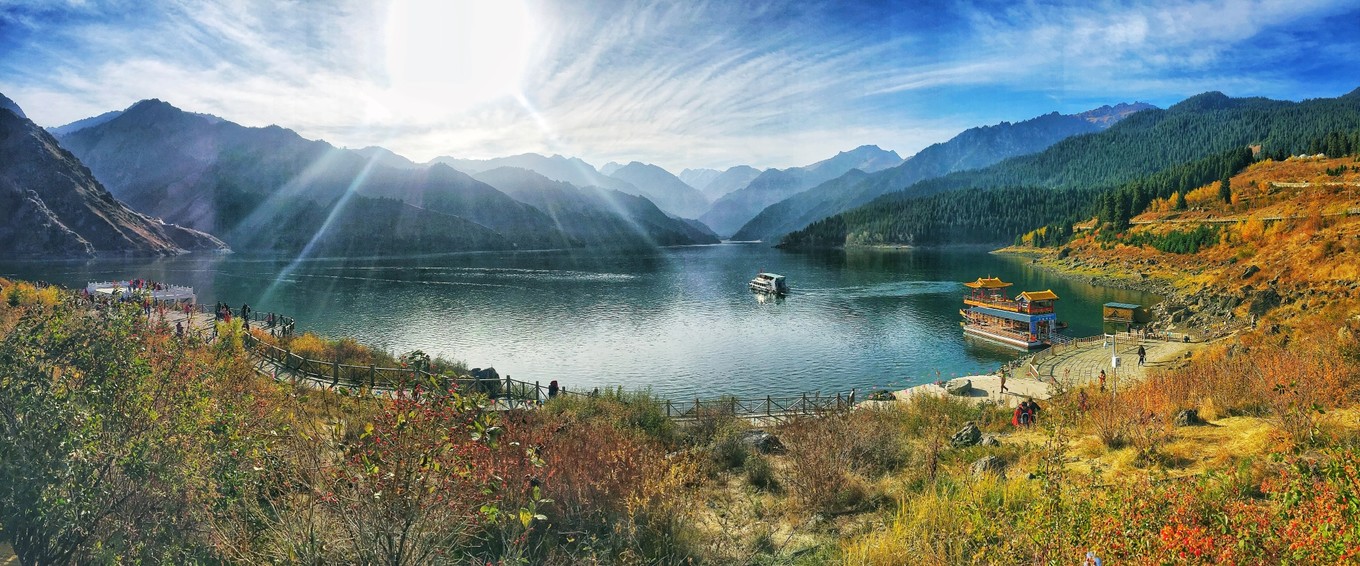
[445, 56]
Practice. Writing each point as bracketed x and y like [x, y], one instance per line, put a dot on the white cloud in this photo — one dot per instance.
[680, 84]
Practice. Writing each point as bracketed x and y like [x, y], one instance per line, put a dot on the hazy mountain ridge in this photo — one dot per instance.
[81, 124]
[733, 179]
[729, 213]
[970, 149]
[53, 206]
[699, 178]
[269, 189]
[558, 168]
[667, 191]
[593, 215]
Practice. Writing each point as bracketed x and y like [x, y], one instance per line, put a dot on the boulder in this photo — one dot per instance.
[1251, 270]
[762, 441]
[989, 465]
[1188, 417]
[990, 440]
[966, 436]
[488, 381]
[1264, 300]
[958, 386]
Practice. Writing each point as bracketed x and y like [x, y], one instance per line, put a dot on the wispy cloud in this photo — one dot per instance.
[675, 83]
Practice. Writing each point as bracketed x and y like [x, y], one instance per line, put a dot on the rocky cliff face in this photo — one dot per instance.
[52, 207]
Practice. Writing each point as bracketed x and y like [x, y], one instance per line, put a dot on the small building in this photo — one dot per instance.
[1124, 312]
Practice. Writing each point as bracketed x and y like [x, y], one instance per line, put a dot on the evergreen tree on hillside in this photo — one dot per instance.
[1225, 190]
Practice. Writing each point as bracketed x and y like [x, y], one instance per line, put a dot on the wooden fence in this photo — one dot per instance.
[769, 407]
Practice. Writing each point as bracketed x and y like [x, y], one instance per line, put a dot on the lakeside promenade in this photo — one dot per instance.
[1070, 365]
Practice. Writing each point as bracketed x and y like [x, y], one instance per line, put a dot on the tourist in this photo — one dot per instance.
[1142, 355]
[1003, 381]
[1017, 418]
[1102, 381]
[552, 389]
[1033, 411]
[1091, 560]
[179, 328]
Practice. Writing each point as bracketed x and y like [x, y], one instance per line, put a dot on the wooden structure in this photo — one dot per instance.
[1027, 321]
[1124, 312]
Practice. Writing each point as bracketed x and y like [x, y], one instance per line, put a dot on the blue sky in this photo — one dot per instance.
[680, 84]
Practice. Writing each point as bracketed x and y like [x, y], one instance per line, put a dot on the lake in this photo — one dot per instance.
[680, 321]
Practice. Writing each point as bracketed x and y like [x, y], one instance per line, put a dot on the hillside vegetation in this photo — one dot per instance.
[1169, 150]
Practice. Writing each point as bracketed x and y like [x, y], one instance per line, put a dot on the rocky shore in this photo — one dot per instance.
[1205, 314]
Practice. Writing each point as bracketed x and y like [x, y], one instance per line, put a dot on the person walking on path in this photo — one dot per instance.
[1142, 355]
[1003, 381]
[1102, 381]
[552, 389]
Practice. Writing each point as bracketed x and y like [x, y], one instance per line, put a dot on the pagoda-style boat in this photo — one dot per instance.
[1027, 321]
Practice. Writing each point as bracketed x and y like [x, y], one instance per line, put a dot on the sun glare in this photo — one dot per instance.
[444, 56]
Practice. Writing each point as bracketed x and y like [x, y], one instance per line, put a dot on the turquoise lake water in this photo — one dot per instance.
[680, 320]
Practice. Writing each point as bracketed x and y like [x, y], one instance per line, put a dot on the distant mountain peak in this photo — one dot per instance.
[1212, 100]
[1352, 94]
[8, 104]
[1107, 115]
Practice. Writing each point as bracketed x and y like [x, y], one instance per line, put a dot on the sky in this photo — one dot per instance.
[685, 83]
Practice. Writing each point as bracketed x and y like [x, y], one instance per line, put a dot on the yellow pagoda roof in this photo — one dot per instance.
[988, 283]
[1031, 296]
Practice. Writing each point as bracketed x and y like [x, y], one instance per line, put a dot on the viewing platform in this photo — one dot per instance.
[156, 291]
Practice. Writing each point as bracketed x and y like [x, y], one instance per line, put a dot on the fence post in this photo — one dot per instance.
[668, 408]
[768, 402]
[372, 376]
[507, 387]
[335, 373]
[805, 405]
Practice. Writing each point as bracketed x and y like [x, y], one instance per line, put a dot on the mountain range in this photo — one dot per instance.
[971, 149]
[270, 190]
[1149, 154]
[53, 207]
[736, 208]
[592, 215]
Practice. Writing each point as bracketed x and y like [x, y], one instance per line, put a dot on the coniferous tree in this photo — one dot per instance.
[1225, 190]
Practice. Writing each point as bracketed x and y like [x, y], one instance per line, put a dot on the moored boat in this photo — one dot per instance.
[1027, 321]
[769, 283]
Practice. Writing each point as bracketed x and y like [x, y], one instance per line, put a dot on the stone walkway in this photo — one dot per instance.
[1081, 364]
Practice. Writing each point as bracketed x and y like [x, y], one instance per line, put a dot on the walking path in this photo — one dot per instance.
[1080, 364]
[1072, 365]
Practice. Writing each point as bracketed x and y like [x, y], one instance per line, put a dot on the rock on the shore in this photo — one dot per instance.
[958, 386]
[762, 441]
[966, 436]
[989, 465]
[1188, 417]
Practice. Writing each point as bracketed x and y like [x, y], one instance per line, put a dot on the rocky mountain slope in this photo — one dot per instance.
[269, 189]
[51, 206]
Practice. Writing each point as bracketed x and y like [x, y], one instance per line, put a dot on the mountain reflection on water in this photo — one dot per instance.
[680, 321]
